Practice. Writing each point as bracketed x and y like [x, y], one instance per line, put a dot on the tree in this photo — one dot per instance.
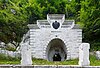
[13, 21]
[90, 17]
[16, 15]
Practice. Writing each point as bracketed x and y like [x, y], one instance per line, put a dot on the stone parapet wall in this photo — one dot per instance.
[47, 66]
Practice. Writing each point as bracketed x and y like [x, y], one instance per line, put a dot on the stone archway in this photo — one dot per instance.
[56, 50]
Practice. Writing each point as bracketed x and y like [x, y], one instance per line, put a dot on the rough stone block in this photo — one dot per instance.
[98, 55]
[84, 54]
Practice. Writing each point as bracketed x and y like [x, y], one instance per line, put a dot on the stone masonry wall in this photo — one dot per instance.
[39, 39]
[47, 66]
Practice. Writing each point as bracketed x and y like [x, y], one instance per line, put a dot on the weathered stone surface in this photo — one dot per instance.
[47, 41]
[10, 53]
[84, 54]
[98, 55]
[47, 66]
[26, 58]
[2, 44]
[40, 39]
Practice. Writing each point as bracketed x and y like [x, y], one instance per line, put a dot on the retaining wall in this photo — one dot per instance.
[47, 66]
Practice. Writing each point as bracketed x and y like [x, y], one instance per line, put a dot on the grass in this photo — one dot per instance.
[45, 62]
[42, 62]
[94, 61]
[6, 60]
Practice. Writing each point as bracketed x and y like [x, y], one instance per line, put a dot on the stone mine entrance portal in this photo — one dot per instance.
[56, 50]
[54, 39]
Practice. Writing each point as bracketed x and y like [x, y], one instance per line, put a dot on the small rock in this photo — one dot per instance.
[98, 55]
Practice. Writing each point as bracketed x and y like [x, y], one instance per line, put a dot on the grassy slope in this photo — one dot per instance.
[93, 62]
[45, 62]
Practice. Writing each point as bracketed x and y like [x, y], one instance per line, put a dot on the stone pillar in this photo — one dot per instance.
[84, 54]
[26, 58]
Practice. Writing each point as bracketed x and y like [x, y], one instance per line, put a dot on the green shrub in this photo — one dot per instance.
[9, 58]
[3, 57]
[95, 46]
[94, 61]
[10, 48]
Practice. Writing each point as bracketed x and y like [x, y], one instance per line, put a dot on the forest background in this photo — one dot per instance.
[15, 15]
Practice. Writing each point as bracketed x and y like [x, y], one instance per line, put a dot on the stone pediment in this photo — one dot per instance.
[57, 20]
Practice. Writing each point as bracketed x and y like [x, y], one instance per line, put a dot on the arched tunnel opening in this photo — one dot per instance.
[56, 50]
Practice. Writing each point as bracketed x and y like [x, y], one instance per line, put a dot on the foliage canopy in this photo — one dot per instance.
[16, 14]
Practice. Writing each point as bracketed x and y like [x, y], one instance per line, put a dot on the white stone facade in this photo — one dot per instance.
[46, 41]
[84, 54]
[26, 58]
